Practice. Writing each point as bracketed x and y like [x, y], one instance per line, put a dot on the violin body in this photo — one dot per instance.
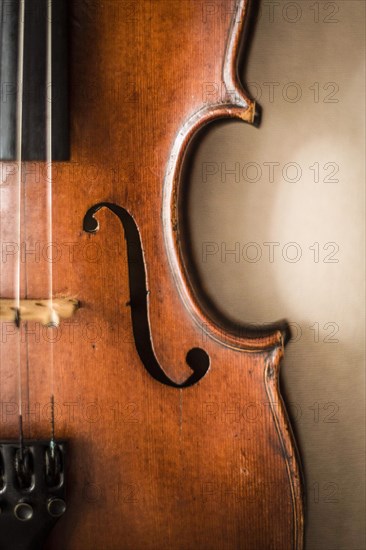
[176, 432]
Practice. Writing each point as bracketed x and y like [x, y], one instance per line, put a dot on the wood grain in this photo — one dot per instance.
[212, 466]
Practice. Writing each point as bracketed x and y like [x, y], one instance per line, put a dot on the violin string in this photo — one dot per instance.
[49, 202]
[18, 208]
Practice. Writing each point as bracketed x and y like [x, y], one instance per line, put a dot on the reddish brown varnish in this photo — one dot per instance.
[211, 466]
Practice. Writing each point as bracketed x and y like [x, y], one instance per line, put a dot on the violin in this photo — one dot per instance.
[132, 416]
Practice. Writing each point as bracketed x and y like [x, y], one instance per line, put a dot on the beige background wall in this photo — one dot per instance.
[306, 68]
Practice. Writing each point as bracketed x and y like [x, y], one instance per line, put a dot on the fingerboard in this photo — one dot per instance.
[36, 90]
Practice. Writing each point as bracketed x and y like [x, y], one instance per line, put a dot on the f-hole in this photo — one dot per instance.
[196, 358]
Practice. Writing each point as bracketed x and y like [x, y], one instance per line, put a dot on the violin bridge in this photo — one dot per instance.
[46, 312]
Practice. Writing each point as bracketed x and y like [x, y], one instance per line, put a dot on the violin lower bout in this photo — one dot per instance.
[197, 468]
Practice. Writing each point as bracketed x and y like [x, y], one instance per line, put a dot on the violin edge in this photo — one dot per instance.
[245, 109]
[288, 443]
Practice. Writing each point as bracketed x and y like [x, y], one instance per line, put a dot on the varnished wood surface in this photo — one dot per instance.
[212, 466]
